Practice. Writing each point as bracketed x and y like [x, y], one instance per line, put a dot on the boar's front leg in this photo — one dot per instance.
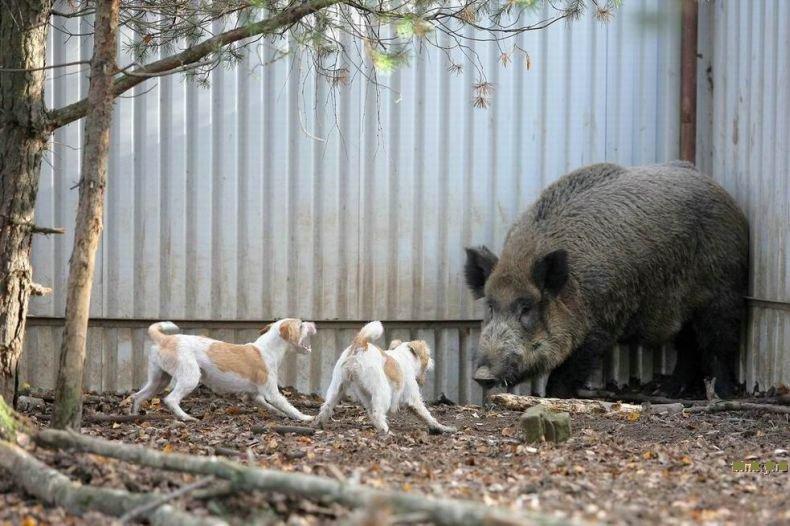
[572, 374]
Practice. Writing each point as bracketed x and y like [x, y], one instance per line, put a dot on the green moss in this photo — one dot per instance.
[8, 421]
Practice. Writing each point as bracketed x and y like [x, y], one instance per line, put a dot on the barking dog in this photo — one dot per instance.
[381, 380]
[224, 367]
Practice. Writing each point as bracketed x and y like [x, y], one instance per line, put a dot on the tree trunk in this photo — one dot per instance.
[23, 137]
[68, 393]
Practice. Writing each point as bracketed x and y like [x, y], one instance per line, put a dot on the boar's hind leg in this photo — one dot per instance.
[718, 334]
[573, 373]
[686, 377]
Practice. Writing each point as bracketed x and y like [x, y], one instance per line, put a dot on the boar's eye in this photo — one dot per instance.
[525, 316]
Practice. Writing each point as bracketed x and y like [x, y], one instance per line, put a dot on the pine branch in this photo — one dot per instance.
[72, 112]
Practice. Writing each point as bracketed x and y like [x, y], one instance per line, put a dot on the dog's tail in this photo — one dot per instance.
[370, 332]
[161, 329]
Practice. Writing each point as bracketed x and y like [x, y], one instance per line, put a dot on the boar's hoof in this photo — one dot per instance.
[539, 424]
[484, 377]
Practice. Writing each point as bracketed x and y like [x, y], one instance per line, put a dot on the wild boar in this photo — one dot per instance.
[611, 254]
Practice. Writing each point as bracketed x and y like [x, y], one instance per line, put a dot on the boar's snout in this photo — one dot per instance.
[484, 377]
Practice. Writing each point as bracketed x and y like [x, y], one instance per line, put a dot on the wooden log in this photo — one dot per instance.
[567, 405]
[439, 511]
[54, 488]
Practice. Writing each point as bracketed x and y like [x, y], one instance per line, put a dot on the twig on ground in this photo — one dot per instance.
[636, 397]
[662, 409]
[226, 451]
[54, 488]
[158, 501]
[440, 511]
[718, 406]
[220, 489]
[99, 418]
[283, 429]
[296, 430]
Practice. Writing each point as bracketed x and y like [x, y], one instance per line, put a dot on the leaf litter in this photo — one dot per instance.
[673, 469]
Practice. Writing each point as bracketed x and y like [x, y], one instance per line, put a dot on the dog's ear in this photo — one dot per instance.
[422, 352]
[289, 330]
[266, 329]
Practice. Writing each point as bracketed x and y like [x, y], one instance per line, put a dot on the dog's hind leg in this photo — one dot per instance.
[187, 380]
[157, 380]
[275, 398]
[416, 404]
[269, 407]
[377, 408]
[149, 390]
[333, 396]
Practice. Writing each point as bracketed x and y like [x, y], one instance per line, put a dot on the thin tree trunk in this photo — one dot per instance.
[23, 137]
[68, 393]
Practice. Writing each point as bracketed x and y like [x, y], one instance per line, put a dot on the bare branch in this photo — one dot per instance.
[36, 289]
[47, 230]
[42, 68]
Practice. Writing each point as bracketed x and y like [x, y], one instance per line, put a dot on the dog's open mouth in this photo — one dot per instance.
[307, 330]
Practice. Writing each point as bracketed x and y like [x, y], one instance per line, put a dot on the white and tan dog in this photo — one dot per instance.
[382, 381]
[224, 367]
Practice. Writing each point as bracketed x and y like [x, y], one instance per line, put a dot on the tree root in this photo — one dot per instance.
[52, 487]
[439, 511]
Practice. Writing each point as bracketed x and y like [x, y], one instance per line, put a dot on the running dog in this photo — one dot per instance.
[224, 367]
[382, 381]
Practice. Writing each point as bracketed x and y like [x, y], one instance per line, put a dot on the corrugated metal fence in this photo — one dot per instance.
[744, 116]
[272, 194]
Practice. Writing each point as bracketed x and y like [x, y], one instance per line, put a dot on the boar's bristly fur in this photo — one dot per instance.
[608, 254]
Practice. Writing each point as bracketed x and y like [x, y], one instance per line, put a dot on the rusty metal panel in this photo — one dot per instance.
[270, 193]
[745, 137]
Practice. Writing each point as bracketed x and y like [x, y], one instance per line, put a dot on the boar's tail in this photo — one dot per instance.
[370, 332]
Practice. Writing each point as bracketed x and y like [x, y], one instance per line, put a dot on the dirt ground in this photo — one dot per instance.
[658, 470]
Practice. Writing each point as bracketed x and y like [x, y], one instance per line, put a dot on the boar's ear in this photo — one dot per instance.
[551, 271]
[479, 263]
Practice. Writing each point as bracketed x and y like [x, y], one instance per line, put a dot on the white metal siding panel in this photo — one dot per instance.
[745, 110]
[269, 193]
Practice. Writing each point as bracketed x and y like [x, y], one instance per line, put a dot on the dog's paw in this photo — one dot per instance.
[189, 418]
[307, 418]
